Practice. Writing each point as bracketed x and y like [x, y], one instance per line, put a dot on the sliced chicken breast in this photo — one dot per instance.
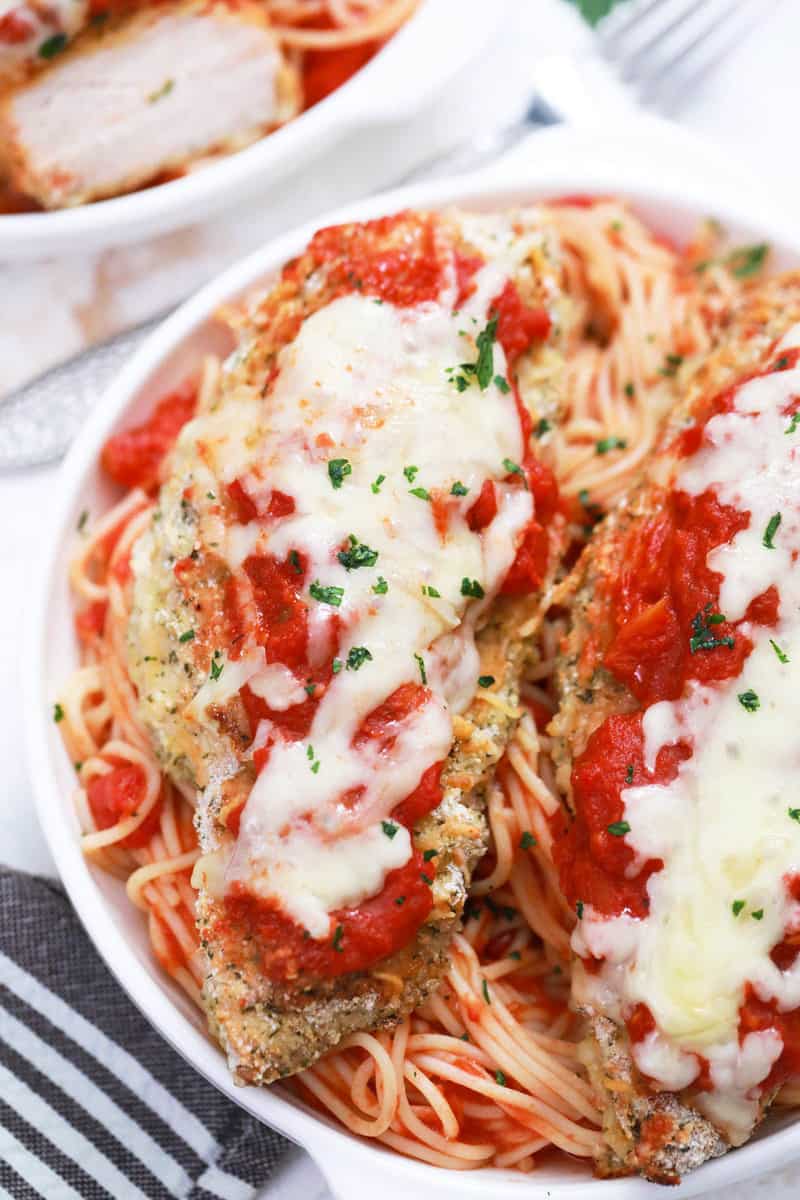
[147, 94]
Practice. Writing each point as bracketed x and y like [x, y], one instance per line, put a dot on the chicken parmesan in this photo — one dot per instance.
[323, 614]
[319, 638]
[682, 853]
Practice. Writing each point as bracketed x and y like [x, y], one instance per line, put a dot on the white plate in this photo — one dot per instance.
[355, 1169]
[408, 72]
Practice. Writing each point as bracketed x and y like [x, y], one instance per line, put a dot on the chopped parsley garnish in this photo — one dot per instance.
[336, 666]
[422, 673]
[326, 595]
[527, 840]
[579, 910]
[420, 492]
[771, 530]
[310, 688]
[629, 773]
[82, 519]
[610, 443]
[161, 92]
[53, 45]
[294, 559]
[630, 390]
[429, 854]
[381, 587]
[357, 555]
[217, 665]
[543, 426]
[485, 681]
[618, 828]
[500, 1078]
[781, 363]
[389, 828]
[458, 489]
[58, 713]
[471, 587]
[338, 469]
[426, 879]
[749, 700]
[703, 637]
[671, 364]
[411, 473]
[357, 657]
[312, 759]
[794, 813]
[782, 656]
[427, 590]
[338, 933]
[737, 907]
[187, 637]
[484, 367]
[376, 486]
[795, 421]
[400, 901]
[513, 468]
[210, 496]
[502, 384]
[747, 260]
[485, 990]
[515, 954]
[757, 914]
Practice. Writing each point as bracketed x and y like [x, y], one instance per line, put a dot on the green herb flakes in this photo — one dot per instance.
[422, 672]
[338, 470]
[772, 528]
[357, 555]
[610, 443]
[782, 656]
[747, 260]
[618, 828]
[376, 486]
[502, 384]
[757, 914]
[338, 934]
[187, 637]
[527, 840]
[53, 46]
[485, 990]
[410, 473]
[485, 681]
[749, 701]
[381, 587]
[471, 587]
[737, 907]
[326, 595]
[420, 492]
[500, 1078]
[58, 713]
[458, 489]
[671, 364]
[629, 773]
[703, 638]
[357, 656]
[161, 92]
[389, 828]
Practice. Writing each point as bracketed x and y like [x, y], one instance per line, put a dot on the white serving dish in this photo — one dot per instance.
[354, 1168]
[429, 51]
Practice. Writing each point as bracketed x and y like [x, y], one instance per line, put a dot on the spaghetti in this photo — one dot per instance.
[487, 1071]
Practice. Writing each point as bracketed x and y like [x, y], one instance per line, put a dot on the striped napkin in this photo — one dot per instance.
[93, 1102]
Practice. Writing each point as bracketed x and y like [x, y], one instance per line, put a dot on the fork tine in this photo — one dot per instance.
[630, 52]
[622, 21]
[675, 43]
[677, 80]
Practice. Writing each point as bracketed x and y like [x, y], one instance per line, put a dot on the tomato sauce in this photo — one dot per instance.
[115, 796]
[133, 457]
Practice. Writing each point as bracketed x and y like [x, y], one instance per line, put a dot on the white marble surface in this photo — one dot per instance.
[747, 106]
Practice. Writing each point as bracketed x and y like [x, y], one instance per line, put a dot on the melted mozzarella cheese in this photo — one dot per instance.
[722, 827]
[373, 384]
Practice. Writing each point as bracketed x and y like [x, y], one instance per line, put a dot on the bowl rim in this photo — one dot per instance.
[378, 92]
[353, 1166]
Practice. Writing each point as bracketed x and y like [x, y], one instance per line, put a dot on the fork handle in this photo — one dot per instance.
[38, 422]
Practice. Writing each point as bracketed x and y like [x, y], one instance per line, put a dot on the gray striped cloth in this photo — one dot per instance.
[93, 1102]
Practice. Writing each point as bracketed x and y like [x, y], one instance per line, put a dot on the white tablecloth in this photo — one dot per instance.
[747, 106]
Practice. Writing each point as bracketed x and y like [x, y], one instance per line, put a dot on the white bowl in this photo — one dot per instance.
[355, 1169]
[394, 86]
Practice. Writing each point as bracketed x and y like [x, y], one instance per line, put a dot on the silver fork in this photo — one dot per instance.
[657, 50]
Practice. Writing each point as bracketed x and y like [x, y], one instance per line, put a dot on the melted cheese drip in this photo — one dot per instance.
[376, 380]
[722, 826]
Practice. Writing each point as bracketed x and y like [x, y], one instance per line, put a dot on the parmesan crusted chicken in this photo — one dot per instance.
[678, 853]
[143, 95]
[326, 604]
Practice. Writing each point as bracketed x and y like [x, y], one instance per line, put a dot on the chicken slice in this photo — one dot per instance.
[146, 95]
